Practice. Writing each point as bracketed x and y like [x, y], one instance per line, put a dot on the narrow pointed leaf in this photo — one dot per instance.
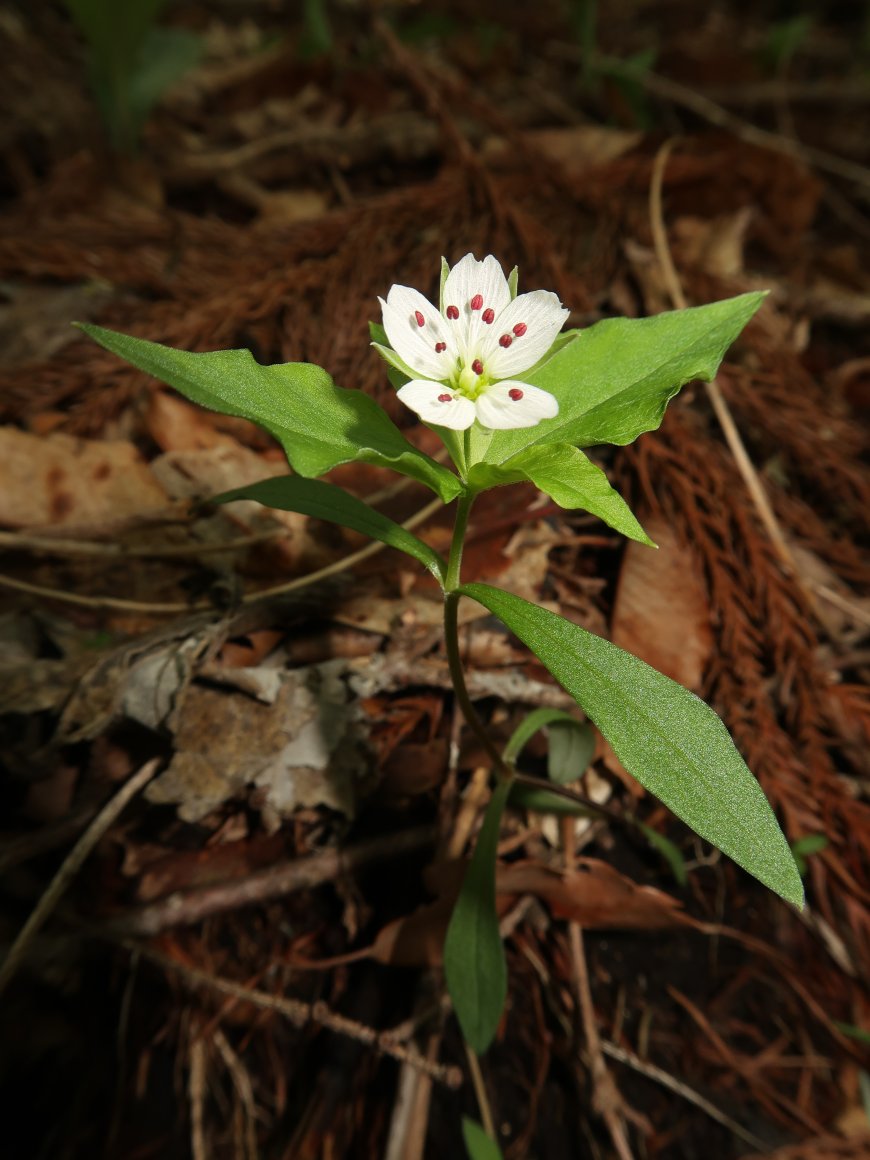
[325, 501]
[614, 380]
[544, 801]
[474, 962]
[572, 747]
[529, 726]
[319, 424]
[478, 1145]
[666, 737]
[570, 478]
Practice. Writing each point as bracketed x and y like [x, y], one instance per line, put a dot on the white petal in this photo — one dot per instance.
[428, 400]
[496, 408]
[466, 280]
[413, 342]
[543, 316]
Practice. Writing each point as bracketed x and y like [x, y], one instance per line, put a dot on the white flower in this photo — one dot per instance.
[467, 354]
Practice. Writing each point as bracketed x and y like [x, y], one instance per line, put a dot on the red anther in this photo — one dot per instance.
[420, 319]
[515, 393]
[452, 313]
[505, 340]
[477, 366]
[488, 315]
[476, 302]
[520, 329]
[445, 398]
[439, 346]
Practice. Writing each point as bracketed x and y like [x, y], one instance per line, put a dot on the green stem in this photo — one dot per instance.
[451, 638]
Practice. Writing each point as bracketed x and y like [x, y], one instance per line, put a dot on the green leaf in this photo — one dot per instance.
[478, 1145]
[614, 380]
[572, 747]
[528, 727]
[544, 801]
[852, 1031]
[666, 848]
[667, 738]
[474, 963]
[805, 847]
[568, 477]
[166, 55]
[318, 424]
[325, 501]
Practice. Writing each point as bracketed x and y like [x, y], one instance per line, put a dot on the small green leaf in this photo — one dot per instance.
[570, 478]
[528, 727]
[852, 1031]
[805, 847]
[666, 848]
[318, 424]
[614, 380]
[666, 737]
[478, 1145]
[474, 962]
[166, 55]
[572, 747]
[544, 801]
[325, 501]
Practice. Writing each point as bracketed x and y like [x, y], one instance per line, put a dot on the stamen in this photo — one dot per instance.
[421, 321]
[445, 398]
[476, 302]
[505, 340]
[477, 366]
[515, 393]
[452, 313]
[488, 315]
[439, 346]
[520, 329]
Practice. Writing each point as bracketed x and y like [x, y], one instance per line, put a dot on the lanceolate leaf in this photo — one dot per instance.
[672, 742]
[325, 501]
[474, 962]
[318, 424]
[570, 478]
[478, 1145]
[614, 380]
[529, 726]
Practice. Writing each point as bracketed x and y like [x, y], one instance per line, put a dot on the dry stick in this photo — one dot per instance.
[51, 546]
[196, 1081]
[294, 585]
[186, 907]
[606, 1098]
[660, 1076]
[720, 407]
[71, 865]
[709, 111]
[300, 1013]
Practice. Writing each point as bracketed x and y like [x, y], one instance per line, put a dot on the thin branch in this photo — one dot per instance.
[71, 866]
[159, 608]
[300, 1013]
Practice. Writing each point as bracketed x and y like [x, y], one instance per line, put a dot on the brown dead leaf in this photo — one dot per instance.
[715, 244]
[576, 148]
[662, 613]
[595, 895]
[59, 481]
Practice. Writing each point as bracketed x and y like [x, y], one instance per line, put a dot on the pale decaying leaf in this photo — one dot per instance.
[662, 611]
[300, 750]
[60, 481]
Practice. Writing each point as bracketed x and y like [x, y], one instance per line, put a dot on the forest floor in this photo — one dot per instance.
[173, 661]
